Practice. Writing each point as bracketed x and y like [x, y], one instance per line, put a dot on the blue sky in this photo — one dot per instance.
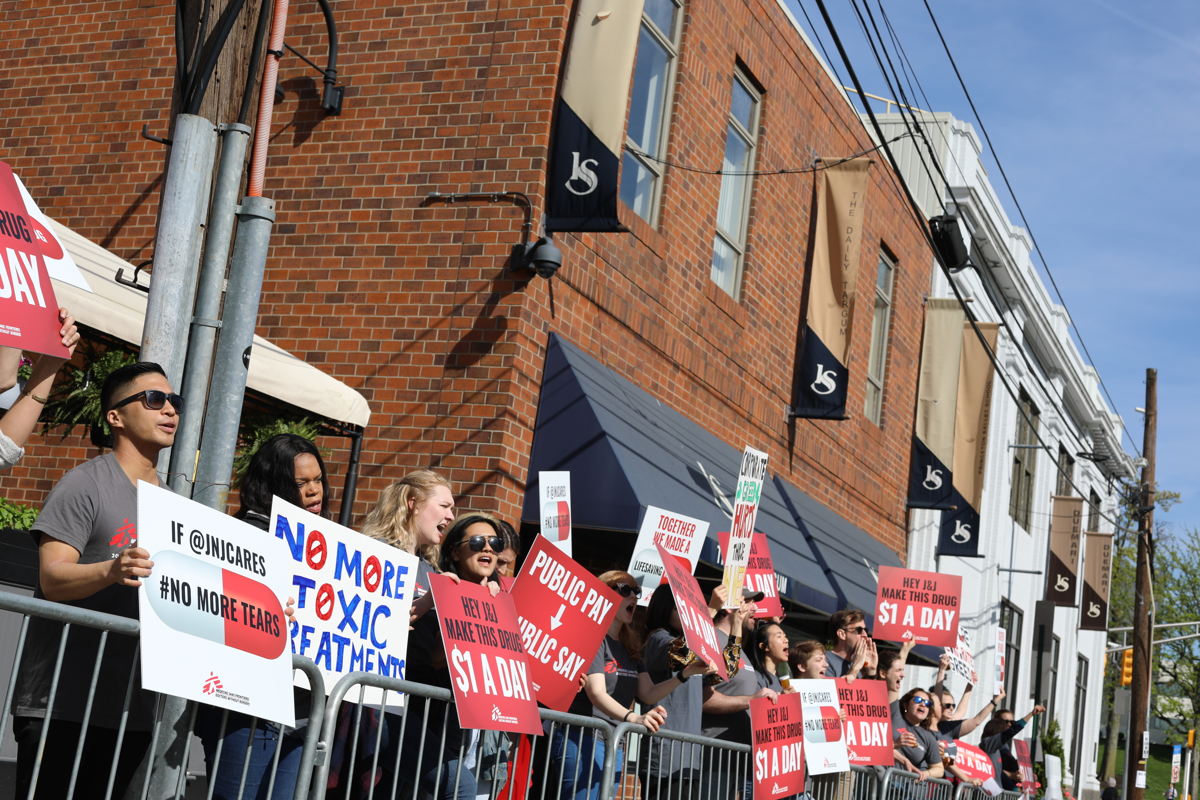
[1092, 107]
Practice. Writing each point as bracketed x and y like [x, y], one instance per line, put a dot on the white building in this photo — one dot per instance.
[1081, 433]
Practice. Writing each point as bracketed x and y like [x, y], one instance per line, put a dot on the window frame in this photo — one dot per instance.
[1024, 462]
[740, 76]
[1081, 692]
[1066, 473]
[873, 396]
[1093, 525]
[1012, 620]
[658, 170]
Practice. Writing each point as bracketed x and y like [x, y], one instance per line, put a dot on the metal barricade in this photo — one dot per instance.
[866, 783]
[859, 783]
[965, 791]
[674, 766]
[103, 731]
[899, 784]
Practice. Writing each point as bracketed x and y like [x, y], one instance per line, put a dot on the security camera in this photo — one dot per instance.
[542, 256]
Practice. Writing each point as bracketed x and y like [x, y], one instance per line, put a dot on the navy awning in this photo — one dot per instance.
[626, 449]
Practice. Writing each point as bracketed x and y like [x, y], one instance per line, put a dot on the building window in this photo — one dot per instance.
[880, 325]
[1093, 511]
[1066, 473]
[1051, 691]
[733, 208]
[1010, 621]
[650, 107]
[1081, 683]
[1024, 465]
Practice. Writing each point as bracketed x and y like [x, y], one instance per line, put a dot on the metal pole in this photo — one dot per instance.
[235, 138]
[256, 216]
[181, 218]
[1143, 608]
[347, 507]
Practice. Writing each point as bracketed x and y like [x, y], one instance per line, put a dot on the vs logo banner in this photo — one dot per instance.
[930, 481]
[959, 531]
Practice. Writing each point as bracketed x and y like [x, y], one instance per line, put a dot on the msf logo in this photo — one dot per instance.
[962, 533]
[582, 172]
[933, 478]
[825, 381]
[211, 684]
[124, 536]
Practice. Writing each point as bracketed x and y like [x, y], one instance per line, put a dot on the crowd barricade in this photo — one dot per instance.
[669, 765]
[59, 768]
[860, 783]
[900, 784]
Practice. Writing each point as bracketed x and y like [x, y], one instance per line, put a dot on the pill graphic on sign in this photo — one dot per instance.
[556, 520]
[212, 603]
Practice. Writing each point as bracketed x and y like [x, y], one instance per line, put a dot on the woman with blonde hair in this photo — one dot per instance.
[413, 513]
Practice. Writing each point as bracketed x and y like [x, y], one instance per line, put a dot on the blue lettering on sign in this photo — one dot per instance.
[302, 585]
[338, 654]
[351, 565]
[295, 541]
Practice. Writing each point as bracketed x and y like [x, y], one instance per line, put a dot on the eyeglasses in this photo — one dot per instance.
[477, 543]
[861, 630]
[625, 590]
[921, 701]
[154, 399]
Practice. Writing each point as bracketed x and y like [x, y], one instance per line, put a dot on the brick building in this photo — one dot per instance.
[411, 302]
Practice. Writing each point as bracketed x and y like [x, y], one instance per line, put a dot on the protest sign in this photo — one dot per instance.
[30, 254]
[962, 656]
[693, 614]
[778, 747]
[910, 604]
[563, 612]
[868, 728]
[745, 511]
[554, 489]
[976, 764]
[824, 743]
[1028, 784]
[212, 623]
[353, 596]
[489, 670]
[760, 574]
[1001, 654]
[681, 536]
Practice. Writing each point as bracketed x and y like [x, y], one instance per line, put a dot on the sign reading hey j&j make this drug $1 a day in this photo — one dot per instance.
[213, 628]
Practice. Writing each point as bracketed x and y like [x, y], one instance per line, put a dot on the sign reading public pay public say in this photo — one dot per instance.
[353, 596]
[564, 612]
[212, 623]
[924, 606]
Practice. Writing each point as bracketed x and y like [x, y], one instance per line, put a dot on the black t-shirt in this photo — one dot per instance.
[620, 671]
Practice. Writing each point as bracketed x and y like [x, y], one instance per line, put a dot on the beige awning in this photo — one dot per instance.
[119, 310]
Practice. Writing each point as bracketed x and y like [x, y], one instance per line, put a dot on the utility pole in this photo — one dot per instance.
[1143, 604]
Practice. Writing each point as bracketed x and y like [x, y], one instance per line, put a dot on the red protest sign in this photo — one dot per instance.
[563, 612]
[28, 309]
[697, 623]
[868, 728]
[778, 747]
[917, 605]
[760, 574]
[489, 670]
[1029, 782]
[973, 762]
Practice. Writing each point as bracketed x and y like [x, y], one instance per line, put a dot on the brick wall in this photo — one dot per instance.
[411, 305]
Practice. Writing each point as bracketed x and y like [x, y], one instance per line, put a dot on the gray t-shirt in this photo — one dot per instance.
[94, 510]
[735, 727]
[683, 707]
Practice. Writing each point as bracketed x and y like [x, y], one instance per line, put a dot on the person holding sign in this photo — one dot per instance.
[88, 557]
[18, 423]
[615, 679]
[290, 467]
[924, 757]
[413, 513]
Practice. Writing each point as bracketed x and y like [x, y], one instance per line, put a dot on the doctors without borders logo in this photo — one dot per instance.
[125, 535]
[500, 716]
[215, 689]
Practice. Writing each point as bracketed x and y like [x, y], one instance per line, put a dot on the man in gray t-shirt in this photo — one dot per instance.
[88, 557]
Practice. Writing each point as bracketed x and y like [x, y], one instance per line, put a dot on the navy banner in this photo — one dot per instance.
[822, 381]
[582, 191]
[959, 532]
[930, 483]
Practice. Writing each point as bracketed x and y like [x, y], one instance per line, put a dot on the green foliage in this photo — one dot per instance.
[1052, 745]
[16, 516]
[256, 430]
[76, 399]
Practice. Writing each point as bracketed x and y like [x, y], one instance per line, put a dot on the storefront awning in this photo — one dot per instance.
[626, 450]
[118, 310]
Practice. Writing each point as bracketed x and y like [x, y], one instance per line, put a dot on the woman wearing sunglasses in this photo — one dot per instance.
[615, 679]
[924, 757]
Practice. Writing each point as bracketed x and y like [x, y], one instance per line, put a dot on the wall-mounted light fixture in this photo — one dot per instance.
[541, 257]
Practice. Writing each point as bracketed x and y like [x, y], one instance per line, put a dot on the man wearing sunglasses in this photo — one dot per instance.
[88, 557]
[851, 648]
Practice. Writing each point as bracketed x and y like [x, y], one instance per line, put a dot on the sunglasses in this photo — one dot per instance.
[625, 590]
[921, 701]
[949, 706]
[153, 399]
[477, 543]
[861, 630]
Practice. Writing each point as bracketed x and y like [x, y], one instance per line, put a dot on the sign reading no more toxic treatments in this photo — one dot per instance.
[213, 628]
[564, 612]
[353, 596]
[924, 606]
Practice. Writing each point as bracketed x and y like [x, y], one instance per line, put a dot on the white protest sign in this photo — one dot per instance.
[212, 623]
[353, 596]
[824, 744]
[554, 493]
[1001, 654]
[741, 530]
[962, 655]
[679, 535]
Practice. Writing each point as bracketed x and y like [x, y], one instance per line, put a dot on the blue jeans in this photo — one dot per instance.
[446, 775]
[225, 775]
[579, 754]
